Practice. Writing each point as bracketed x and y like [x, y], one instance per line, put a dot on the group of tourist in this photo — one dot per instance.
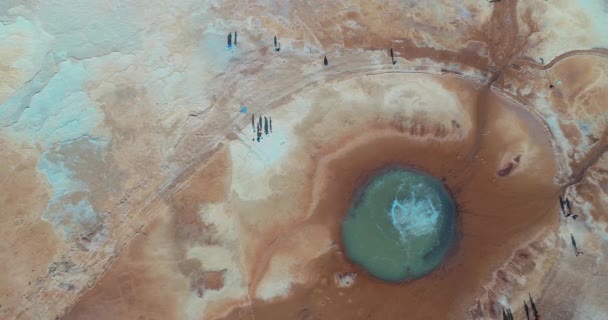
[565, 205]
[567, 212]
[230, 40]
[266, 125]
[508, 315]
[535, 313]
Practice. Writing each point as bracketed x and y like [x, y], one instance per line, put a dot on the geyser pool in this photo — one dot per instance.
[400, 225]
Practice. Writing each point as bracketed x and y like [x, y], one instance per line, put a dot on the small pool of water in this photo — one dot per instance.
[400, 225]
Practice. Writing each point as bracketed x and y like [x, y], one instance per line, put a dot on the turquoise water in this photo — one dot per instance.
[400, 225]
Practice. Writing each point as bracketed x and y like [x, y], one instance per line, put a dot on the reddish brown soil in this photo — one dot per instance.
[494, 216]
[498, 207]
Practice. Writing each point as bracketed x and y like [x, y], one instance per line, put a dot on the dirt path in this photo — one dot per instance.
[219, 121]
[530, 62]
[346, 67]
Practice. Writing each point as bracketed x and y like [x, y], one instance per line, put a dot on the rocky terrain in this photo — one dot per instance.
[133, 186]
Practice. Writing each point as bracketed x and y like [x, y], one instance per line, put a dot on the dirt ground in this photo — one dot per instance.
[167, 208]
[496, 214]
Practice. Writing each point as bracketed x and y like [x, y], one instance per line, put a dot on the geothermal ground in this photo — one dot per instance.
[133, 187]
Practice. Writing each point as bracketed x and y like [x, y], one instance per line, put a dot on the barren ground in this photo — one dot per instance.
[133, 188]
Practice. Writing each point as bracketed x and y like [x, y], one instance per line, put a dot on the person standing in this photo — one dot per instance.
[259, 131]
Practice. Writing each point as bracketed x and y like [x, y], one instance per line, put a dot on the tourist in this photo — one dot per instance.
[576, 251]
[259, 132]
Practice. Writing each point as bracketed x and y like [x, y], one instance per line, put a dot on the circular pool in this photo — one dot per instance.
[400, 225]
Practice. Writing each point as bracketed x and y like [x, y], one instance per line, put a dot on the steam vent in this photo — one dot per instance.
[305, 160]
